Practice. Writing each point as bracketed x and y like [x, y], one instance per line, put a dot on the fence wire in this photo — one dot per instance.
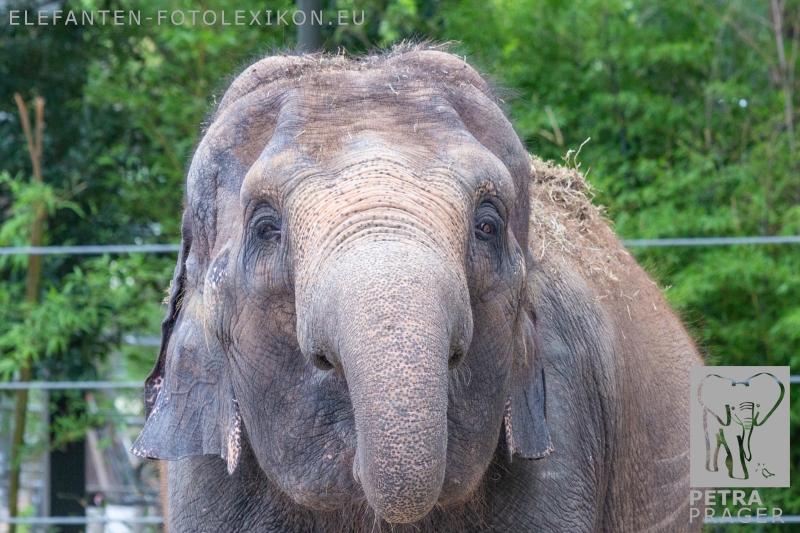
[85, 385]
[712, 241]
[173, 248]
[91, 250]
[80, 520]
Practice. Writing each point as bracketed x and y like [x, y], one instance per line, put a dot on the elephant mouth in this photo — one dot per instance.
[338, 482]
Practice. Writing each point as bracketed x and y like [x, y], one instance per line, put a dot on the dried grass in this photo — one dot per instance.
[566, 225]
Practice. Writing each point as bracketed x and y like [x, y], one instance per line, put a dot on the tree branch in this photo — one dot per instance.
[788, 108]
[31, 296]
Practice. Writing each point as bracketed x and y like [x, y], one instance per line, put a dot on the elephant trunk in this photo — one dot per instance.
[747, 409]
[393, 317]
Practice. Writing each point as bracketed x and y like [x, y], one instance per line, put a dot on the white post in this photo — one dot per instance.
[44, 504]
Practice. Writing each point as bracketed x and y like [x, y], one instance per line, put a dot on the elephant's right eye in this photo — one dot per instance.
[268, 229]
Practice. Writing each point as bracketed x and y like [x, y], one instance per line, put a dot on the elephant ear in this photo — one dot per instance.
[190, 406]
[769, 392]
[527, 435]
[716, 395]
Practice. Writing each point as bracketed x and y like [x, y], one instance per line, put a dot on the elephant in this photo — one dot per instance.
[387, 316]
[739, 407]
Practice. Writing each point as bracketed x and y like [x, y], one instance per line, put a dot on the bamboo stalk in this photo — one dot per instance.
[786, 78]
[31, 296]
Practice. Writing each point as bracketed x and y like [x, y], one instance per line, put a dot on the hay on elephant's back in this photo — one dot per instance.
[565, 224]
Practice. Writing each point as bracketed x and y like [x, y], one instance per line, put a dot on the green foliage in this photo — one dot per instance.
[26, 197]
[83, 316]
[84, 310]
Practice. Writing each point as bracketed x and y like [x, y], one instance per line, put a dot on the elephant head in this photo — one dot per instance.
[747, 404]
[350, 296]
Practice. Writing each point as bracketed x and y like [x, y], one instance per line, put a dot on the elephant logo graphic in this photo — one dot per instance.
[740, 407]
[740, 425]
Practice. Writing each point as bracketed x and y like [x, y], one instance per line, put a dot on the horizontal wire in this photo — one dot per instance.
[65, 385]
[91, 249]
[62, 385]
[80, 520]
[713, 241]
[172, 248]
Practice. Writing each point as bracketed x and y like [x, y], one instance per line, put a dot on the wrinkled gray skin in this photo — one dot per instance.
[358, 331]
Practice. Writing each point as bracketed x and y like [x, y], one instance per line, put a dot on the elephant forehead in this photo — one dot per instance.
[295, 119]
[321, 112]
[405, 63]
[379, 194]
[461, 162]
[322, 123]
[276, 133]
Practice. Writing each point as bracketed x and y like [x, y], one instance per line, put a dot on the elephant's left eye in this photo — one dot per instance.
[487, 221]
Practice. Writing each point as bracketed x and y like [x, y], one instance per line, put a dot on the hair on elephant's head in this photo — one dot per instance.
[351, 291]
